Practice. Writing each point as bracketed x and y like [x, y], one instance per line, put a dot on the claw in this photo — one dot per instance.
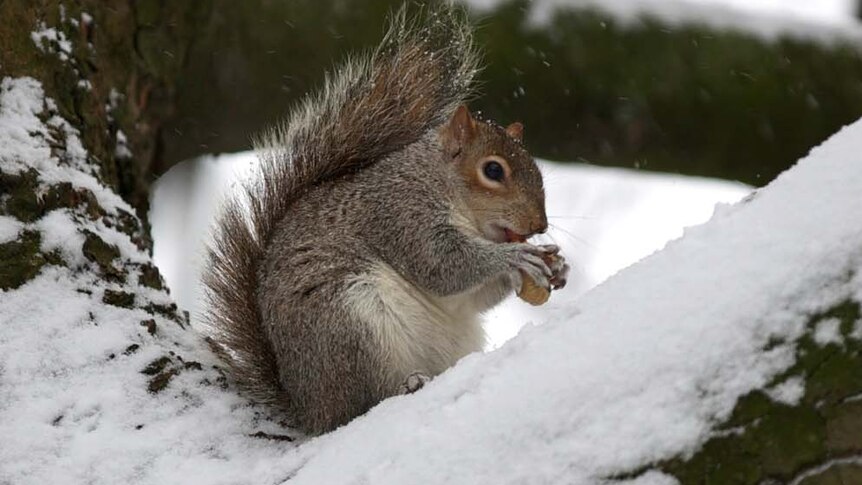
[533, 262]
[538, 262]
[549, 248]
[413, 383]
[560, 278]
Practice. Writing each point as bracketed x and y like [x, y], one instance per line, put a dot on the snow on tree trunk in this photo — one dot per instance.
[101, 380]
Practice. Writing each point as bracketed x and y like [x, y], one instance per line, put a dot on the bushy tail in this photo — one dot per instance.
[370, 107]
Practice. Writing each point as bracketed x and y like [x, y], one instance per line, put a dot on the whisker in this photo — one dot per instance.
[573, 217]
[574, 267]
[573, 236]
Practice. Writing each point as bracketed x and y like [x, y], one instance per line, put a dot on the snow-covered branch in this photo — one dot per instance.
[729, 354]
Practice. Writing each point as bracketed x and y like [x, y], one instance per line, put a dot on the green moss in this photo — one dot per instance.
[103, 254]
[776, 445]
[274, 437]
[844, 427]
[828, 477]
[54, 257]
[64, 195]
[749, 408]
[155, 48]
[21, 260]
[163, 370]
[167, 311]
[131, 226]
[148, 12]
[150, 277]
[21, 188]
[118, 298]
[105, 54]
[766, 440]
[23, 203]
[162, 380]
[836, 378]
[790, 439]
[150, 325]
[712, 462]
[850, 473]
[838, 474]
[156, 366]
[848, 313]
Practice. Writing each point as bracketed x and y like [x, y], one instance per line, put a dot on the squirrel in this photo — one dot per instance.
[383, 219]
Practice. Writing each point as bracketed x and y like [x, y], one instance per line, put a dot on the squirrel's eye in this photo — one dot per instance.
[494, 171]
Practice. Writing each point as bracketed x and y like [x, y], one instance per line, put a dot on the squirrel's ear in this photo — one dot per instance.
[462, 126]
[516, 131]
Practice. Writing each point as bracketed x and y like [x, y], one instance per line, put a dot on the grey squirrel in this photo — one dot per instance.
[384, 218]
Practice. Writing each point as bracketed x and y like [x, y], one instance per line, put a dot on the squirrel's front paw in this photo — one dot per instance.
[532, 261]
[560, 269]
[413, 383]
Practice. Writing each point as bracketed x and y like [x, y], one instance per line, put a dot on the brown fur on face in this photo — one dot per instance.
[514, 206]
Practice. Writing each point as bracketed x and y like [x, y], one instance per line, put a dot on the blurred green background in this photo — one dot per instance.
[686, 99]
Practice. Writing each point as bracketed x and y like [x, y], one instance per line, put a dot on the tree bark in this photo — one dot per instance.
[112, 73]
[96, 362]
[817, 441]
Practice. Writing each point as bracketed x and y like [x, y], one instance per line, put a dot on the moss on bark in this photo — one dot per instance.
[115, 83]
[815, 441]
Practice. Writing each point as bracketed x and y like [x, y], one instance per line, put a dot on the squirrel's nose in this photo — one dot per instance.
[540, 228]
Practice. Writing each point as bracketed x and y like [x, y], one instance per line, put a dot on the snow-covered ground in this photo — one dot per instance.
[820, 20]
[603, 218]
[74, 402]
[641, 368]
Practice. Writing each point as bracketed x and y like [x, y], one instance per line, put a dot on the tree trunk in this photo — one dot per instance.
[816, 441]
[98, 370]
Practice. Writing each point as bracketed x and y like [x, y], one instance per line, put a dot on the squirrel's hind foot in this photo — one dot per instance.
[413, 383]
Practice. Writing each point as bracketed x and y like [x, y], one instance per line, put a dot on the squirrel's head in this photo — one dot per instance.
[502, 183]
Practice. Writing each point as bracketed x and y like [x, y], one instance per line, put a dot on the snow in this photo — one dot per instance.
[823, 21]
[23, 136]
[122, 148]
[68, 410]
[828, 331]
[639, 369]
[50, 39]
[9, 229]
[788, 392]
[59, 232]
[604, 219]
[74, 405]
[183, 207]
[824, 10]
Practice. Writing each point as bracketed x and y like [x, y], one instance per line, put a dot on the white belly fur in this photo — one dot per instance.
[417, 331]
